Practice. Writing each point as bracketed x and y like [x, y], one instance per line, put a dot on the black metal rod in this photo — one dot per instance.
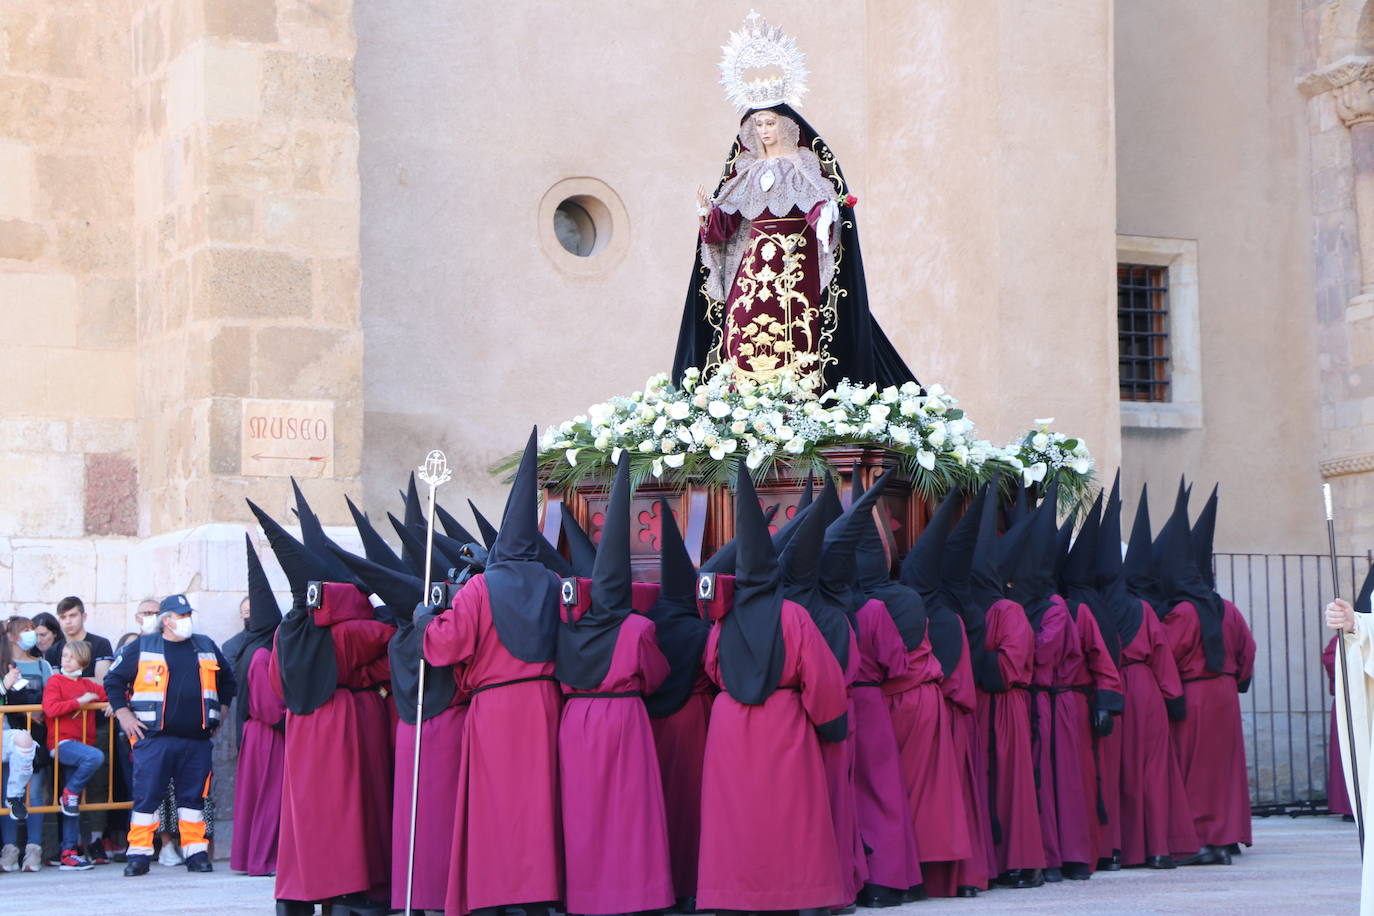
[1345, 681]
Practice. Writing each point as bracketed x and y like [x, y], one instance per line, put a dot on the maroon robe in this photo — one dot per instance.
[767, 836]
[839, 780]
[1210, 741]
[1005, 719]
[885, 820]
[441, 750]
[1155, 817]
[258, 778]
[924, 728]
[1337, 796]
[944, 878]
[680, 741]
[615, 832]
[507, 839]
[1071, 663]
[336, 788]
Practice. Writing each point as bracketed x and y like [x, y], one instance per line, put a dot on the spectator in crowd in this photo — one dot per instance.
[24, 757]
[48, 630]
[71, 733]
[71, 616]
[233, 651]
[117, 824]
[167, 690]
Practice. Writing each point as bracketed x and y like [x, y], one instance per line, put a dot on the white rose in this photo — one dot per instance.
[1039, 441]
[602, 442]
[751, 402]
[961, 454]
[935, 390]
[843, 429]
[668, 446]
[646, 446]
[700, 401]
[926, 459]
[878, 413]
[739, 413]
[1082, 466]
[900, 434]
[890, 394]
[936, 436]
[910, 407]
[718, 409]
[795, 446]
[910, 388]
[864, 395]
[679, 410]
[738, 427]
[674, 461]
[1081, 449]
[785, 432]
[730, 445]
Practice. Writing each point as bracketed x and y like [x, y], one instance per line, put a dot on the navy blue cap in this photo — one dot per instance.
[174, 604]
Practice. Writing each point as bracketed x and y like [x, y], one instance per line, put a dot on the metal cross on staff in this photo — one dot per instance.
[436, 473]
[1352, 763]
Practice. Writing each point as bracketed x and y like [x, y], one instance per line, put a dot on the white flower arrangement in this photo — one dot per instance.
[703, 429]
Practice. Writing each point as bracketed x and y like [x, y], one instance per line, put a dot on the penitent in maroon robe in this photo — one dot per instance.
[441, 751]
[615, 832]
[1071, 664]
[1337, 796]
[1155, 817]
[680, 741]
[838, 758]
[943, 879]
[1210, 741]
[885, 820]
[767, 837]
[924, 728]
[1004, 718]
[507, 840]
[257, 781]
[336, 791]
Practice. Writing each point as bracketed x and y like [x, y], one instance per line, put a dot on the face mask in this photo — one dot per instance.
[28, 639]
[150, 624]
[182, 627]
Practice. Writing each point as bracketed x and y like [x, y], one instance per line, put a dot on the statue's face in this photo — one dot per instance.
[766, 126]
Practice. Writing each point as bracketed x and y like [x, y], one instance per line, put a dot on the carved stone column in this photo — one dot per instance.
[1355, 106]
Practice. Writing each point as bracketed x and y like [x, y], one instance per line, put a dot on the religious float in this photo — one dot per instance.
[779, 362]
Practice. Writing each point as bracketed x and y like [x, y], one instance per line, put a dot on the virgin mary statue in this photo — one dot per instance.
[778, 282]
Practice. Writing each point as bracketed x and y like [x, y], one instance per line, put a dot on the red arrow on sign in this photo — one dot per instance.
[287, 458]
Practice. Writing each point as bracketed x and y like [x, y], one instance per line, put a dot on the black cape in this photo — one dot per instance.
[264, 616]
[679, 628]
[750, 644]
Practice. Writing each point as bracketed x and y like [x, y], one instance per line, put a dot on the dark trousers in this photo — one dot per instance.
[187, 763]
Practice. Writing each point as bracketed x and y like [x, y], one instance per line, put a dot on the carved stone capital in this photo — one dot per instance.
[1355, 102]
[1343, 72]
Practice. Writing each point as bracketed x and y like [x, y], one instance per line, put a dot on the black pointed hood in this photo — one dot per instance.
[904, 604]
[318, 543]
[1125, 610]
[586, 645]
[581, 549]
[375, 546]
[484, 527]
[956, 579]
[413, 545]
[1079, 584]
[305, 650]
[679, 629]
[1138, 567]
[1204, 529]
[1180, 581]
[751, 646]
[264, 616]
[399, 590]
[523, 592]
[839, 570]
[923, 570]
[454, 528]
[414, 517]
[801, 557]
[986, 582]
[1031, 575]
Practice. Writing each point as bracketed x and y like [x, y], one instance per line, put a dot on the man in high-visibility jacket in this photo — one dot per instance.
[168, 689]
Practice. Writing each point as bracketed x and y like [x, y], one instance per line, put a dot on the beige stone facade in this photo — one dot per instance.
[343, 211]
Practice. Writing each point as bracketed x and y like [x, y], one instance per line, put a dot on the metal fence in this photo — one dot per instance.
[1287, 713]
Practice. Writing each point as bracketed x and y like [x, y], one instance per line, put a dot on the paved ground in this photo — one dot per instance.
[1298, 865]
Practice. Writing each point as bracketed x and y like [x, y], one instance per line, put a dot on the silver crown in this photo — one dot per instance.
[755, 46]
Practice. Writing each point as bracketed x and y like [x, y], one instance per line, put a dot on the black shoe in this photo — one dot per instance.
[1160, 862]
[1008, 878]
[966, 890]
[915, 894]
[1348, 818]
[295, 908]
[137, 865]
[1110, 863]
[686, 905]
[1053, 875]
[814, 911]
[1234, 849]
[876, 896]
[1077, 871]
[1208, 855]
[844, 910]
[1030, 877]
[200, 862]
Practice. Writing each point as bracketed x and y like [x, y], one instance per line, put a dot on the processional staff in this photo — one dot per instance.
[436, 473]
[1343, 667]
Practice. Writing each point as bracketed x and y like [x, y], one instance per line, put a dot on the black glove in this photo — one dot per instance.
[1178, 709]
[1102, 723]
[834, 731]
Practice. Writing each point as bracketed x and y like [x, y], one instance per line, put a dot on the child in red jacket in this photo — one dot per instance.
[71, 734]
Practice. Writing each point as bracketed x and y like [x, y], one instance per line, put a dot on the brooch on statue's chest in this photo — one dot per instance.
[767, 180]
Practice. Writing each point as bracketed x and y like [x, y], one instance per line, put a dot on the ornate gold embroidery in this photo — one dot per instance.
[769, 343]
